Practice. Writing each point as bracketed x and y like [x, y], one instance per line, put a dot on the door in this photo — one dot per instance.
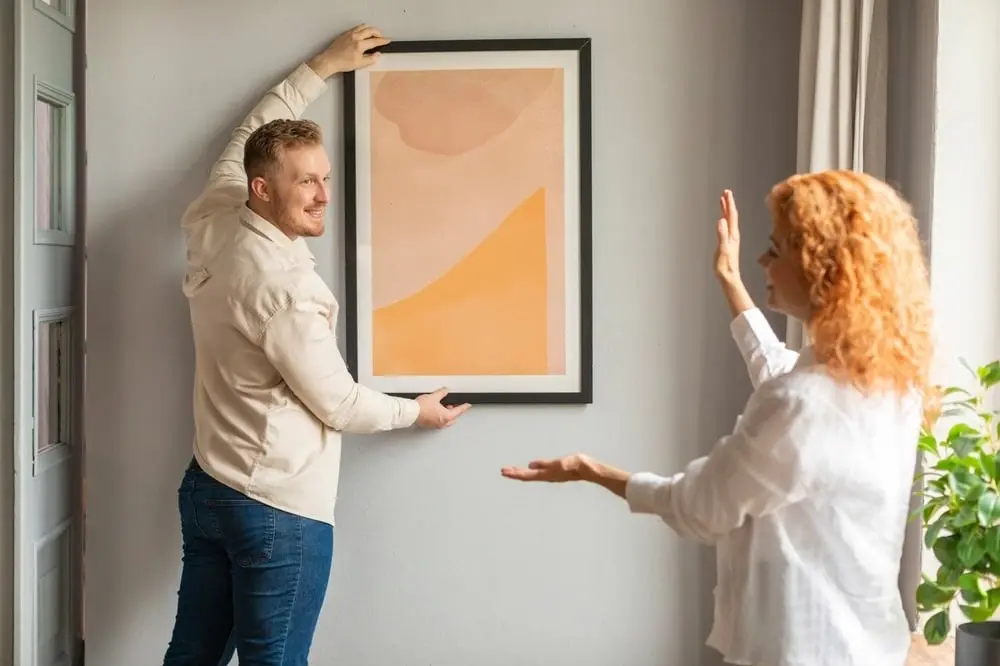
[48, 335]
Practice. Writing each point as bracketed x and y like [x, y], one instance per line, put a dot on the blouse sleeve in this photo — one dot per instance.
[761, 467]
[766, 357]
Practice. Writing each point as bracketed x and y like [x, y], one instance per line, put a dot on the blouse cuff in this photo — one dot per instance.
[641, 492]
[751, 330]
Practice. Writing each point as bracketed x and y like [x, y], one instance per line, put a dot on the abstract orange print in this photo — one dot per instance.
[467, 176]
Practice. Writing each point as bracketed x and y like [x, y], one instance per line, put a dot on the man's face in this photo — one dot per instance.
[298, 191]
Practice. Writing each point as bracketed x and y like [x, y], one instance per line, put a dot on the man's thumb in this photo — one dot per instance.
[440, 394]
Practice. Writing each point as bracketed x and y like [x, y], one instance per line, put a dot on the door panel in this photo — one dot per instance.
[47, 330]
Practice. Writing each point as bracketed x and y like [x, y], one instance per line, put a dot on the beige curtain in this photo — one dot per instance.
[843, 60]
[842, 124]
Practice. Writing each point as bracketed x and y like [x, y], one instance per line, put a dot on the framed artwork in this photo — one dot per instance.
[468, 220]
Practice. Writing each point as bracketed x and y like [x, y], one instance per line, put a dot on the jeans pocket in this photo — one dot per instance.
[247, 529]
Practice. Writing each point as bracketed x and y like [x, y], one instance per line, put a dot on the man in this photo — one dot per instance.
[272, 393]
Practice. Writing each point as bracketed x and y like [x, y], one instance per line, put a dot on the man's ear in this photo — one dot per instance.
[260, 189]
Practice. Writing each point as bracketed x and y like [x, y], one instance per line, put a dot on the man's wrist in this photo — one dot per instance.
[323, 67]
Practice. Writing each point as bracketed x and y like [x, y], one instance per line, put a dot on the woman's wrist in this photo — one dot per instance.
[736, 295]
[608, 477]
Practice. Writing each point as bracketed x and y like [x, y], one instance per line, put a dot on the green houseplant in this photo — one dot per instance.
[961, 507]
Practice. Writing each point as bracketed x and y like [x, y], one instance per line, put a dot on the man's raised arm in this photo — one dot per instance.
[289, 99]
[227, 184]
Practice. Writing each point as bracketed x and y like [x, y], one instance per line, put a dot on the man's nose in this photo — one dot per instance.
[323, 196]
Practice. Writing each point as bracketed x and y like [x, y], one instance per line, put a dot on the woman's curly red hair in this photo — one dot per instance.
[868, 281]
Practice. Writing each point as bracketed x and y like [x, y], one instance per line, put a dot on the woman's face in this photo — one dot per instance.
[787, 290]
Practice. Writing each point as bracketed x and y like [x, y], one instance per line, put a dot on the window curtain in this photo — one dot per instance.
[842, 124]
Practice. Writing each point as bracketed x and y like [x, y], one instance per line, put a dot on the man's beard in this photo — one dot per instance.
[295, 221]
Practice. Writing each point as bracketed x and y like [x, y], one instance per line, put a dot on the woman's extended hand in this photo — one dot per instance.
[727, 254]
[557, 470]
[578, 467]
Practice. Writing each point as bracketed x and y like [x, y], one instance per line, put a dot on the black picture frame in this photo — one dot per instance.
[582, 392]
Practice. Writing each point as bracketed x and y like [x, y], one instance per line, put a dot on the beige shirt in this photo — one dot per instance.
[806, 503]
[272, 393]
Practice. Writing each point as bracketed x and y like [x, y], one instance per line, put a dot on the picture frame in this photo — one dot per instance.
[468, 220]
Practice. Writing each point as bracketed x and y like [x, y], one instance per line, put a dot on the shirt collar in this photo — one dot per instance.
[259, 225]
[807, 357]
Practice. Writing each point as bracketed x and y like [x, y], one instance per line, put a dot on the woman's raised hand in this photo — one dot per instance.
[727, 254]
[727, 257]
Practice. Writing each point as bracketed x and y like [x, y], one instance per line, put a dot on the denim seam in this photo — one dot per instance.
[269, 539]
[295, 590]
[194, 515]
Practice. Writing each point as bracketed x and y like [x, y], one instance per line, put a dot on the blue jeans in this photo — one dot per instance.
[253, 579]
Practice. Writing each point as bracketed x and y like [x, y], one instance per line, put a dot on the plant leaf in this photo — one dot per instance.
[976, 613]
[965, 407]
[989, 375]
[947, 464]
[967, 515]
[931, 535]
[960, 429]
[963, 482]
[948, 576]
[968, 366]
[937, 627]
[928, 444]
[931, 595]
[963, 445]
[946, 550]
[988, 508]
[972, 588]
[989, 462]
[971, 549]
[992, 540]
[955, 411]
[930, 508]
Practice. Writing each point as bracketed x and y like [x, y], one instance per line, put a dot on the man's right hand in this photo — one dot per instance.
[434, 415]
[347, 52]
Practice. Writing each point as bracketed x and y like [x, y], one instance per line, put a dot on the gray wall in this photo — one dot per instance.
[438, 559]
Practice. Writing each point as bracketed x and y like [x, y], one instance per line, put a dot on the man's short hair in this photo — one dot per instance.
[267, 143]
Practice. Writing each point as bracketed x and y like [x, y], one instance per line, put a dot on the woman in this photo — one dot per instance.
[807, 500]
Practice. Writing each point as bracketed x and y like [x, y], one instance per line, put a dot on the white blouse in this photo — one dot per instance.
[806, 502]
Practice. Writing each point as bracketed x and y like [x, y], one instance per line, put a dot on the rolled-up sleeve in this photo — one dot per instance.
[765, 356]
[300, 344]
[764, 465]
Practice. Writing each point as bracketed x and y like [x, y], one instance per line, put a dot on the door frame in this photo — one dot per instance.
[11, 150]
[7, 220]
[78, 431]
